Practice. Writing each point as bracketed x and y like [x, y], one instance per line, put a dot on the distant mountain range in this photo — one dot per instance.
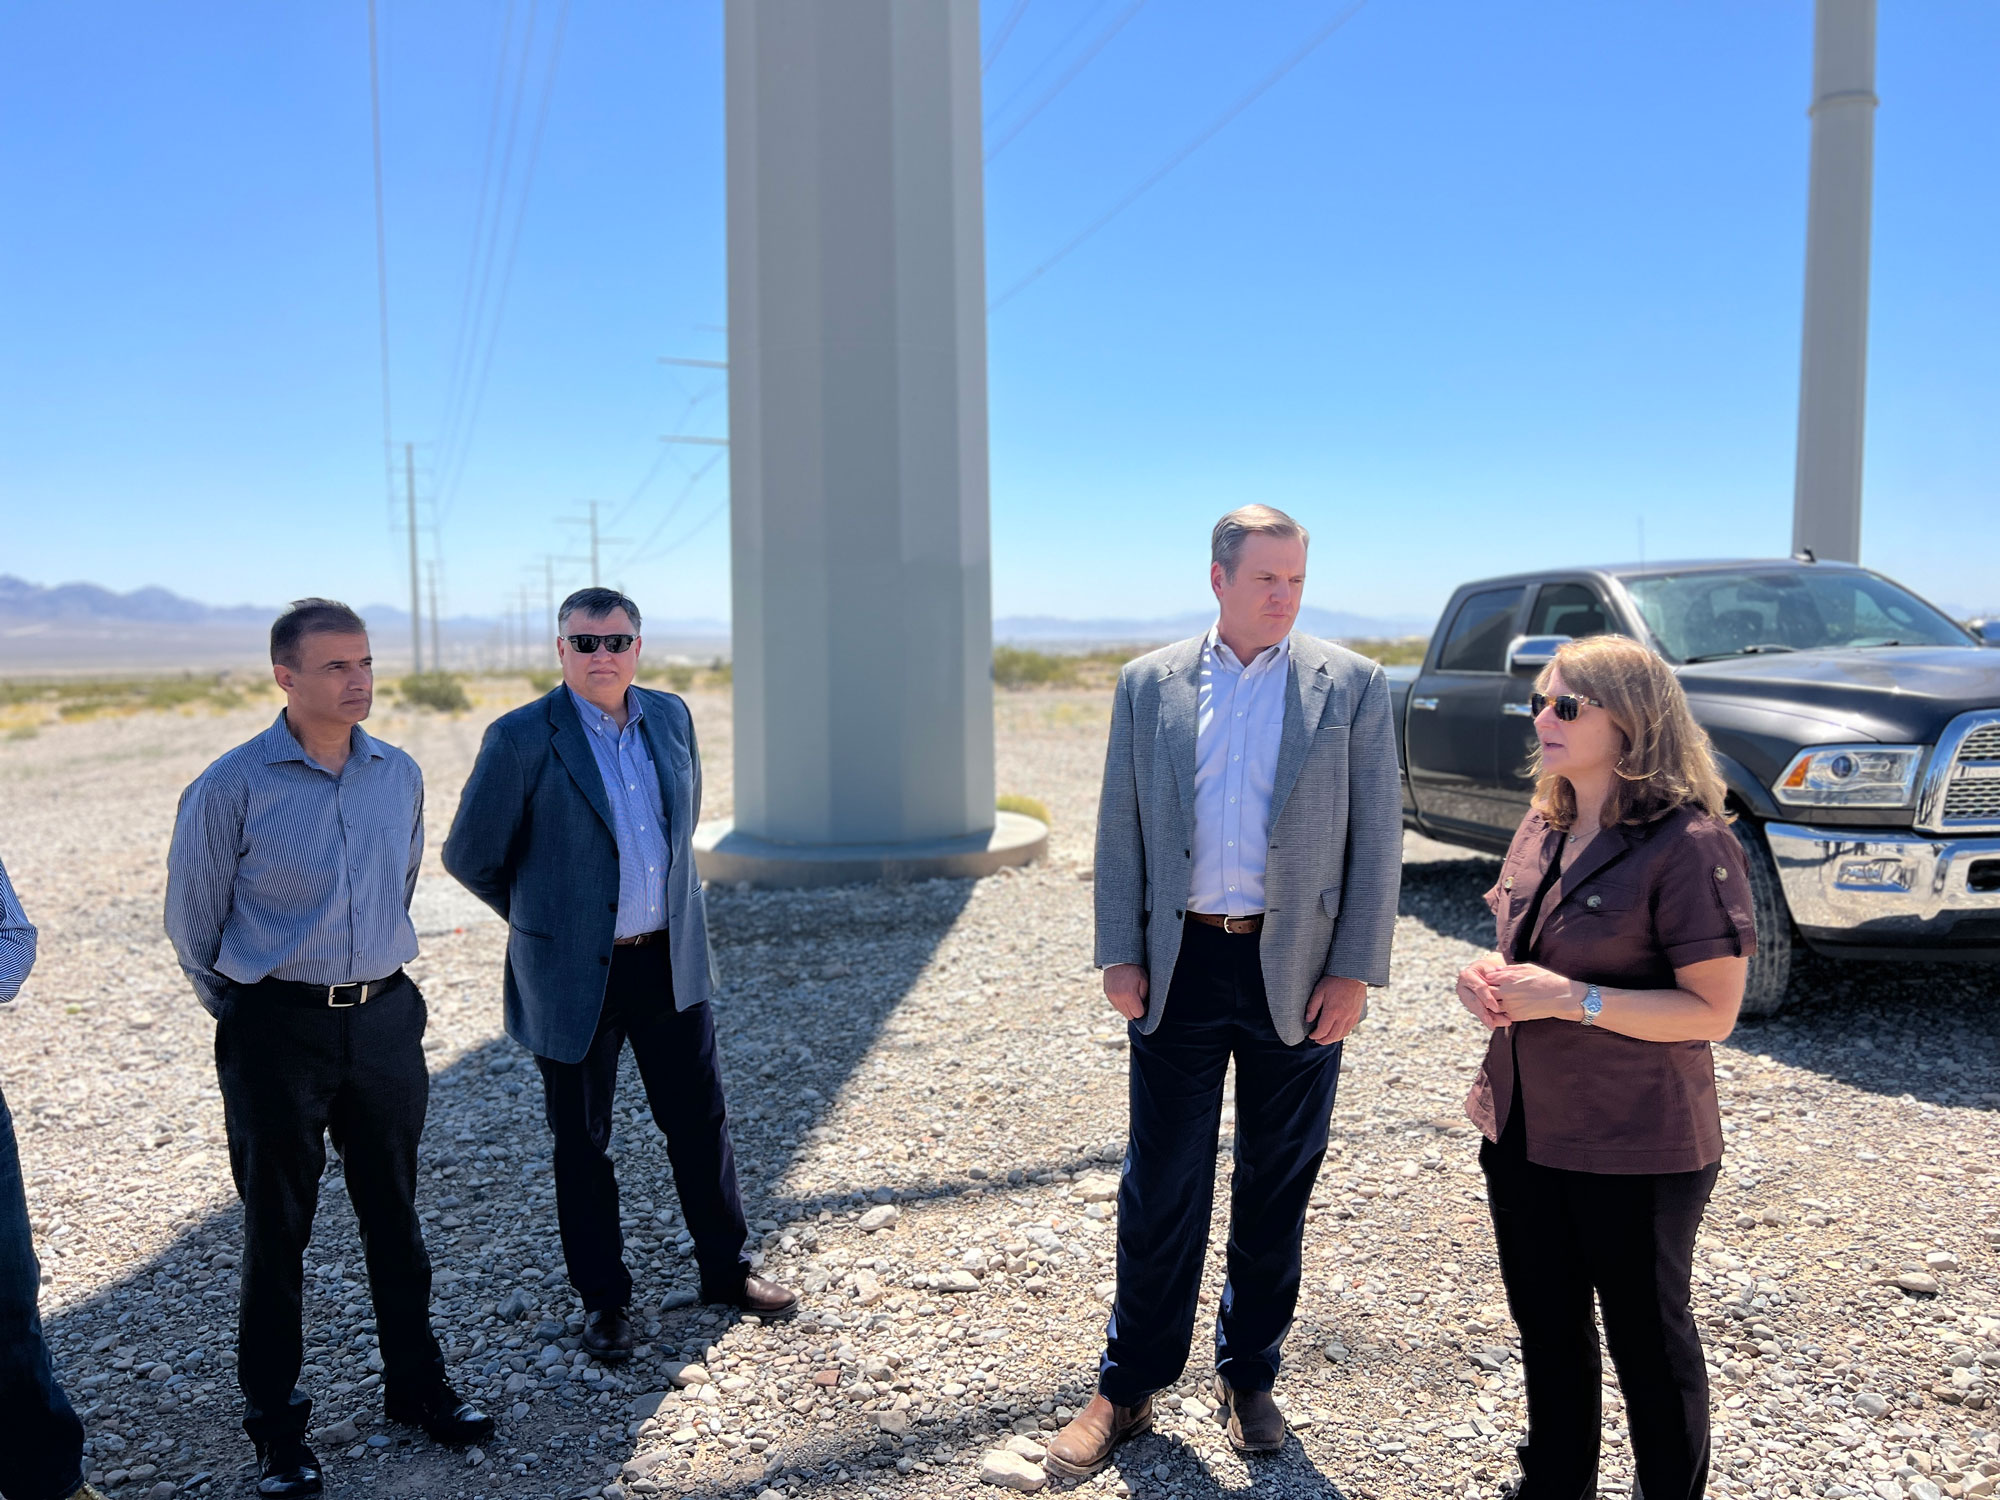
[1330, 624]
[82, 627]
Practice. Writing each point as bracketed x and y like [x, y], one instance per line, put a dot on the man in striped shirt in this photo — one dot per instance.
[42, 1456]
[288, 888]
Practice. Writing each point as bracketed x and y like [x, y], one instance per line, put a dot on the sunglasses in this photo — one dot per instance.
[615, 644]
[1567, 706]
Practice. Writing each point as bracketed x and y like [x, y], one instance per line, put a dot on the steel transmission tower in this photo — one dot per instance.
[862, 617]
[1833, 364]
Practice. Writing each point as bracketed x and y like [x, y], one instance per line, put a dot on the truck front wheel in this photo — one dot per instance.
[1764, 991]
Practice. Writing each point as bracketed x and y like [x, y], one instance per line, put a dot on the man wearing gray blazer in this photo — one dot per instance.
[1249, 857]
[576, 826]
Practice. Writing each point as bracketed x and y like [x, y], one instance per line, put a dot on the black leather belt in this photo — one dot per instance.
[331, 996]
[1234, 926]
[641, 940]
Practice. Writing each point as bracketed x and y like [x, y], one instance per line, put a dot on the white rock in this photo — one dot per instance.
[1011, 1471]
[881, 1216]
[1027, 1448]
[681, 1376]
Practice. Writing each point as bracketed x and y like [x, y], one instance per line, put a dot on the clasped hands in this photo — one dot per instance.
[1333, 1011]
[1500, 994]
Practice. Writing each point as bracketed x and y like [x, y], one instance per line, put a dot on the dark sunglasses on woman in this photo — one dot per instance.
[618, 644]
[1567, 705]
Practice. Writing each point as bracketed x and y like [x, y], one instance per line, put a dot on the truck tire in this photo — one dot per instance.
[1765, 989]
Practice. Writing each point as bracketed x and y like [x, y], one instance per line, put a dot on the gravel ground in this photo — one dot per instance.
[928, 1095]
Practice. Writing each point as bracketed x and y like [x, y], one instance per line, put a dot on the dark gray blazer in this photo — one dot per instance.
[532, 839]
[1335, 866]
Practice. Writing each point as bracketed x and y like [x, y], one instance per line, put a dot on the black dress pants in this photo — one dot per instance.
[675, 1050]
[1629, 1241]
[1215, 1010]
[291, 1075]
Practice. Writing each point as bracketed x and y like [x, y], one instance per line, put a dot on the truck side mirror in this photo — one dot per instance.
[1988, 631]
[1530, 653]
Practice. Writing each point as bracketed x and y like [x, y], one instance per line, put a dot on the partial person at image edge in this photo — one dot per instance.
[1249, 859]
[289, 879]
[41, 1457]
[1624, 936]
[577, 827]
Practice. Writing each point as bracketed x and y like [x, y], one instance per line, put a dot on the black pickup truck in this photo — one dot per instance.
[1857, 726]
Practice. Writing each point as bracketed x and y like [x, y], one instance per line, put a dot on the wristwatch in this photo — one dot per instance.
[1593, 1004]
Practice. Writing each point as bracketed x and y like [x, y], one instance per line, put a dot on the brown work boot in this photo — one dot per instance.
[1255, 1423]
[1084, 1447]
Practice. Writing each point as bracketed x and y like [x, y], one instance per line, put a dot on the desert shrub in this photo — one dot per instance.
[544, 682]
[678, 677]
[1406, 651]
[438, 690]
[1014, 667]
[1028, 806]
[721, 673]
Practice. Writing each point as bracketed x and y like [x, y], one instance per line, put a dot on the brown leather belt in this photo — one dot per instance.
[643, 940]
[1234, 926]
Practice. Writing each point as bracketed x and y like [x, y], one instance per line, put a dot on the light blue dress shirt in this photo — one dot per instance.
[279, 868]
[17, 941]
[1240, 718]
[632, 786]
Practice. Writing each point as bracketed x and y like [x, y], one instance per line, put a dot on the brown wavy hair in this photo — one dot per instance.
[1667, 761]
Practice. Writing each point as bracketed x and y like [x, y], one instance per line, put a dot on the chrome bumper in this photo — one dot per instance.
[1885, 887]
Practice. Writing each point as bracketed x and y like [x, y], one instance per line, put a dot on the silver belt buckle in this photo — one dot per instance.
[333, 1004]
[1231, 930]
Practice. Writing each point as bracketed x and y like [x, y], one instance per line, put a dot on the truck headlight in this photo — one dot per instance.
[1850, 776]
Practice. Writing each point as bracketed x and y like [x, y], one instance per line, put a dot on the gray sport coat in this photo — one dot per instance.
[532, 839]
[1335, 863]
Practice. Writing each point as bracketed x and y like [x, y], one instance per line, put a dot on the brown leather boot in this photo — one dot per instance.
[1255, 1423]
[1084, 1447]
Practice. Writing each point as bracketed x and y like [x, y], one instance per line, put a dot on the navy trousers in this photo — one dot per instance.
[675, 1050]
[1215, 1011]
[42, 1455]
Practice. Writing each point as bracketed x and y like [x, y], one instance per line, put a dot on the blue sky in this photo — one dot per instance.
[1475, 287]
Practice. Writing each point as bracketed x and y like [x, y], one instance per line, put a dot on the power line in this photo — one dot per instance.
[1200, 139]
[1098, 44]
[463, 337]
[513, 249]
[1001, 35]
[1041, 67]
[381, 248]
[639, 554]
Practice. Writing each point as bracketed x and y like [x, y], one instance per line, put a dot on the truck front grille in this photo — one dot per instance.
[1962, 794]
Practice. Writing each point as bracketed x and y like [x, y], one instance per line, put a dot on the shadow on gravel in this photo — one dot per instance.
[1445, 896]
[1927, 1030]
[810, 979]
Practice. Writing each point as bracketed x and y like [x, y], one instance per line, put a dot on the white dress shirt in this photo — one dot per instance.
[1240, 714]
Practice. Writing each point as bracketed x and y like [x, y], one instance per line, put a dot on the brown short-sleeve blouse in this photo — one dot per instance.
[1640, 902]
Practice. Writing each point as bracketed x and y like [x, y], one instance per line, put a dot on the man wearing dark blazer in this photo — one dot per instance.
[577, 827]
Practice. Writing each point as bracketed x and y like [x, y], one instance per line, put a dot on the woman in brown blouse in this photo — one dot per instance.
[1624, 933]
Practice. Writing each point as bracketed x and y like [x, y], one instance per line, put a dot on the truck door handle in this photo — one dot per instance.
[1517, 710]
[1428, 705]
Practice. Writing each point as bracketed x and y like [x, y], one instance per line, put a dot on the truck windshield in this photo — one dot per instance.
[1706, 616]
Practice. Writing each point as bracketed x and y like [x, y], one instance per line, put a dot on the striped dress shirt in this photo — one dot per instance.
[17, 941]
[638, 822]
[280, 869]
[1240, 718]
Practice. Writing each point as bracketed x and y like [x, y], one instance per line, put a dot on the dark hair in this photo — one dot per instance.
[595, 601]
[310, 617]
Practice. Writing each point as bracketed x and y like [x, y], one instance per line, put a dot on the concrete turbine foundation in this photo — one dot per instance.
[857, 386]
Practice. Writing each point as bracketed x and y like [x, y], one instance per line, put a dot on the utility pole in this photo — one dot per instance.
[597, 543]
[1833, 363]
[437, 652]
[549, 589]
[416, 621]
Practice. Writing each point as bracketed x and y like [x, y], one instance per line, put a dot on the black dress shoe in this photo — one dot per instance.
[607, 1335]
[441, 1413]
[287, 1468]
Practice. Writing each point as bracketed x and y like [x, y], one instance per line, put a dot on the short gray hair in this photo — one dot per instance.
[1225, 543]
[596, 601]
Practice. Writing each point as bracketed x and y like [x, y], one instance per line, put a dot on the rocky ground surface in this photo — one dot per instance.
[928, 1097]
